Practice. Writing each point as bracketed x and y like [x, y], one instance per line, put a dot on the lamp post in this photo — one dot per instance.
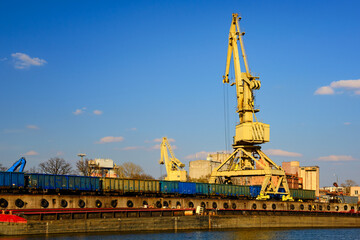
[81, 155]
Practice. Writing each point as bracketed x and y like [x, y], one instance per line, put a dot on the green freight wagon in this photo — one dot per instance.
[125, 186]
[302, 194]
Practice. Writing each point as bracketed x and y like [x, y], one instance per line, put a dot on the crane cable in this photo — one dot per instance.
[226, 111]
[225, 100]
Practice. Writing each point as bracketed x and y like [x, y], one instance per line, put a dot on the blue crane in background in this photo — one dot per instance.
[19, 163]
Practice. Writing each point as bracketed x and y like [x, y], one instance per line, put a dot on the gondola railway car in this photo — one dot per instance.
[12, 180]
[125, 186]
[39, 181]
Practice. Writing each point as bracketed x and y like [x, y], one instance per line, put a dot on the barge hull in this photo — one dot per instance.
[175, 223]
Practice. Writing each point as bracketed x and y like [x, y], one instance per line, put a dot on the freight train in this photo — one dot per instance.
[67, 184]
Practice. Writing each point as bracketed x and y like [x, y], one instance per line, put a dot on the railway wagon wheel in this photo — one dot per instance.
[166, 204]
[226, 205]
[214, 205]
[264, 206]
[3, 203]
[292, 207]
[19, 203]
[191, 205]
[254, 206]
[273, 206]
[233, 205]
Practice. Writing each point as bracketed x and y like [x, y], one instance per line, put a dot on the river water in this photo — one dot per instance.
[261, 234]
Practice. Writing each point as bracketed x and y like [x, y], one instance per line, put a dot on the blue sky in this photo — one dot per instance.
[111, 78]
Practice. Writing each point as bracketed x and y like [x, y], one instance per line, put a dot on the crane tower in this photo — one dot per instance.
[174, 168]
[247, 160]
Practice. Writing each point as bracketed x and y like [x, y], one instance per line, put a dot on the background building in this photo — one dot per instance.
[203, 168]
[100, 167]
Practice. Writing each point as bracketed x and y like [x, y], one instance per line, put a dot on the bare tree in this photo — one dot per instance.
[2, 169]
[33, 170]
[348, 183]
[84, 168]
[132, 170]
[55, 166]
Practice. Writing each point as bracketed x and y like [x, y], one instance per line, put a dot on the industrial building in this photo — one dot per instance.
[302, 177]
[203, 168]
[100, 167]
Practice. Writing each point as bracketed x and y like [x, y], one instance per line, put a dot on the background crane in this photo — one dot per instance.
[19, 163]
[174, 168]
[247, 160]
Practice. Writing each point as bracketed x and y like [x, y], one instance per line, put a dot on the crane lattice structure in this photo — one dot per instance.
[247, 160]
[174, 168]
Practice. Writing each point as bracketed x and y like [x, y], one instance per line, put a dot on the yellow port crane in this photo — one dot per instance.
[247, 161]
[174, 167]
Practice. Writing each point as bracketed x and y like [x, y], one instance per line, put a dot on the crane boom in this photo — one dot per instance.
[247, 160]
[19, 163]
[174, 167]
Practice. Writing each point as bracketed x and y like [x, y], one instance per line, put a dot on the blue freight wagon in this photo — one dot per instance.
[62, 182]
[202, 188]
[188, 188]
[254, 191]
[169, 187]
[12, 180]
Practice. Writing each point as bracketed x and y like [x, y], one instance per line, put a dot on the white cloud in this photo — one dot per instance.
[347, 123]
[79, 111]
[349, 84]
[198, 155]
[336, 158]
[98, 112]
[352, 85]
[133, 129]
[23, 60]
[31, 153]
[110, 139]
[326, 90]
[279, 152]
[34, 127]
